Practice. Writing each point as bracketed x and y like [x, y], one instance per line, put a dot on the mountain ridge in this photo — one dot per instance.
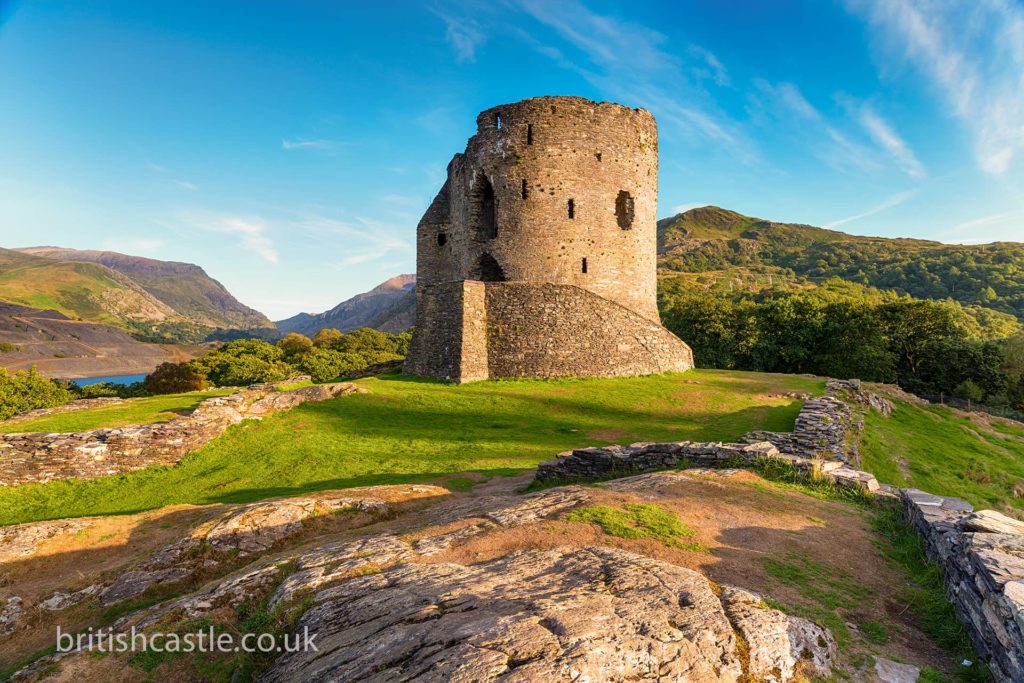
[386, 307]
[184, 287]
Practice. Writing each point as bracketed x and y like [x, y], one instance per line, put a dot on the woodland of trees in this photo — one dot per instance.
[844, 330]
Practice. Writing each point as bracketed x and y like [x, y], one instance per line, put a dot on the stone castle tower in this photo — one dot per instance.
[538, 256]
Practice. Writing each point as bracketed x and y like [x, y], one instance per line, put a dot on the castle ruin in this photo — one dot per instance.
[538, 256]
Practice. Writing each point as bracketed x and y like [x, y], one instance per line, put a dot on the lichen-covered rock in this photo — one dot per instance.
[592, 614]
[62, 600]
[993, 522]
[135, 583]
[775, 641]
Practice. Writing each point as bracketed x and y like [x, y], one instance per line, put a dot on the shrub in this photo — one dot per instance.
[240, 371]
[326, 364]
[28, 390]
[242, 362]
[174, 378]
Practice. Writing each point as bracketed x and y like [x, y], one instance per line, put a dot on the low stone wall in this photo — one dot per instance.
[982, 554]
[37, 457]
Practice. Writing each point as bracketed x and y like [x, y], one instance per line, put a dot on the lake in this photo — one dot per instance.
[113, 379]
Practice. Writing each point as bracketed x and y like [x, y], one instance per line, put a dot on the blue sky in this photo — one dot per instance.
[290, 147]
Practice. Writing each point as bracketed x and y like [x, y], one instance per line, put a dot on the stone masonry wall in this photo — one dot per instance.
[555, 330]
[40, 457]
[981, 553]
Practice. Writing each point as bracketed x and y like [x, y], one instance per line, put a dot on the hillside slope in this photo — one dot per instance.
[184, 288]
[61, 347]
[390, 306]
[711, 238]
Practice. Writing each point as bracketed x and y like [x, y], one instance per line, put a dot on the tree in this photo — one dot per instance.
[294, 346]
[175, 378]
[327, 338]
[968, 391]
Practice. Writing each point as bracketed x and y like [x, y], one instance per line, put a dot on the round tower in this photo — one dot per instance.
[538, 256]
[558, 190]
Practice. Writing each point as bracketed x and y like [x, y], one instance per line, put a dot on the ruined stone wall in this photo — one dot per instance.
[982, 556]
[450, 339]
[39, 457]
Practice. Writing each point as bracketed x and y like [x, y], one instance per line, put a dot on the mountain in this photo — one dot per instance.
[715, 239]
[86, 291]
[390, 306]
[184, 288]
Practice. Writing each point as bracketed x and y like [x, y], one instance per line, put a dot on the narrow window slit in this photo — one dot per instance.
[572, 209]
[442, 239]
[584, 264]
[598, 155]
[497, 120]
[529, 133]
[525, 192]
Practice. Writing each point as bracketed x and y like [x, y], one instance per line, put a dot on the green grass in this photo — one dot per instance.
[638, 520]
[927, 598]
[411, 430]
[934, 449]
[134, 411]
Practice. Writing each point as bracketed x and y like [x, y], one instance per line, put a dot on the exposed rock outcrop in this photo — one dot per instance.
[591, 614]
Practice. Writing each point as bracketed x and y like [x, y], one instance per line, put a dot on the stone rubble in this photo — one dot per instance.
[37, 457]
[10, 614]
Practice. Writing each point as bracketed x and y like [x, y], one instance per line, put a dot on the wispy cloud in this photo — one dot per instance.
[966, 232]
[979, 222]
[886, 137]
[709, 66]
[786, 105]
[464, 35]
[314, 145]
[892, 201]
[251, 232]
[364, 239]
[972, 54]
[631, 62]
[186, 185]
